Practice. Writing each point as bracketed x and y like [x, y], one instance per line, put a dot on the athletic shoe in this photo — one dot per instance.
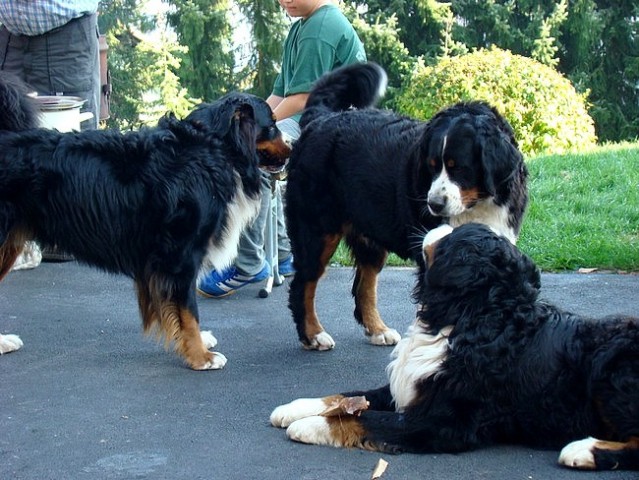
[220, 284]
[285, 267]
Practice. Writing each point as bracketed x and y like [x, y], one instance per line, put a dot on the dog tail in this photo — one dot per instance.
[358, 85]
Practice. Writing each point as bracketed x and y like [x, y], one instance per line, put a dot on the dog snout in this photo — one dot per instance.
[436, 204]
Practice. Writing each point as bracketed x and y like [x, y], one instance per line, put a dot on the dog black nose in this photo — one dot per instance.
[436, 205]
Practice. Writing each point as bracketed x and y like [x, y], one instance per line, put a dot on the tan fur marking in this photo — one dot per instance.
[470, 197]
[631, 444]
[11, 249]
[430, 253]
[347, 432]
[172, 322]
[276, 148]
[189, 342]
[312, 325]
[367, 300]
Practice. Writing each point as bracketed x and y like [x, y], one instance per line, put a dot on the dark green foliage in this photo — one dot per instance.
[204, 27]
[268, 28]
[544, 109]
[144, 84]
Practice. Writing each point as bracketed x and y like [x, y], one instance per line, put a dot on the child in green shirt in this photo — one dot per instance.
[320, 41]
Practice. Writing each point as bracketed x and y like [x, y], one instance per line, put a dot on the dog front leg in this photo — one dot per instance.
[176, 317]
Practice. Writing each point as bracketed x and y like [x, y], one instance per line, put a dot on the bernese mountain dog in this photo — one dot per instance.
[380, 180]
[17, 112]
[156, 204]
[486, 362]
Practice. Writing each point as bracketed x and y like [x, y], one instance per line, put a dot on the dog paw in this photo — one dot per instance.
[313, 430]
[284, 415]
[579, 454]
[216, 362]
[9, 343]
[208, 339]
[389, 336]
[321, 341]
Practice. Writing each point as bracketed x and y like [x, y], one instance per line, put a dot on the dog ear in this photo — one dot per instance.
[243, 131]
[500, 155]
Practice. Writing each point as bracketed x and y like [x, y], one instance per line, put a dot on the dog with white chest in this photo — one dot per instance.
[487, 362]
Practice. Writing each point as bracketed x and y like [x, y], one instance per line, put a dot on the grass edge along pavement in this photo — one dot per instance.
[583, 211]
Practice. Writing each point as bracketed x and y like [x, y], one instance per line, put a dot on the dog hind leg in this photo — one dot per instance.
[310, 261]
[369, 260]
[593, 454]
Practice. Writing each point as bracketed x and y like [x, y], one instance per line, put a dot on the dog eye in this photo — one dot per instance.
[450, 163]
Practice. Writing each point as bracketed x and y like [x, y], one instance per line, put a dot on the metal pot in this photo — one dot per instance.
[62, 113]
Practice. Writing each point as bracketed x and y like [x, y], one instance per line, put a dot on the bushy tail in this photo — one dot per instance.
[359, 85]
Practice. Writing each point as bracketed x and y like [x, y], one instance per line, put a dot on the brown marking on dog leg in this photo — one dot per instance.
[312, 325]
[366, 300]
[631, 444]
[175, 323]
[11, 249]
[594, 454]
[347, 431]
[189, 342]
[147, 311]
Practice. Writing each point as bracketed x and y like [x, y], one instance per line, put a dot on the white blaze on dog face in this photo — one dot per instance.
[445, 196]
[457, 184]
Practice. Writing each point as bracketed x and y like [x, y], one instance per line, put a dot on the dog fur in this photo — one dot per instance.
[17, 112]
[156, 204]
[486, 362]
[379, 180]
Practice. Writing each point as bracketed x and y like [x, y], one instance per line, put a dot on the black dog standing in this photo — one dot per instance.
[379, 180]
[154, 204]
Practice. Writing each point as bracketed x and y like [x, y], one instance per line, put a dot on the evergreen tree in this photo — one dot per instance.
[203, 26]
[143, 79]
[268, 29]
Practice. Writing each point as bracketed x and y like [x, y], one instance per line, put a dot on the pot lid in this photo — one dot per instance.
[50, 103]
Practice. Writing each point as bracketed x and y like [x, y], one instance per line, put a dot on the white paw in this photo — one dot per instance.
[321, 341]
[208, 339]
[313, 430]
[216, 363]
[9, 343]
[579, 454]
[387, 337]
[284, 415]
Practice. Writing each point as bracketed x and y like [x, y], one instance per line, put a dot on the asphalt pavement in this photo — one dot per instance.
[89, 397]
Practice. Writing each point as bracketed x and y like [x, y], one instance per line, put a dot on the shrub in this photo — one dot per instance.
[544, 109]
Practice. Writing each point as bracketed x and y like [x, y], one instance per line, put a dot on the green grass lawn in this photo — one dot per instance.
[583, 211]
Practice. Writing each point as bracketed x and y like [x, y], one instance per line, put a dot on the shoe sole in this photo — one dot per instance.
[208, 295]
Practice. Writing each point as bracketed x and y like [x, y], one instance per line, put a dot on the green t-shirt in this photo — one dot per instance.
[314, 46]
